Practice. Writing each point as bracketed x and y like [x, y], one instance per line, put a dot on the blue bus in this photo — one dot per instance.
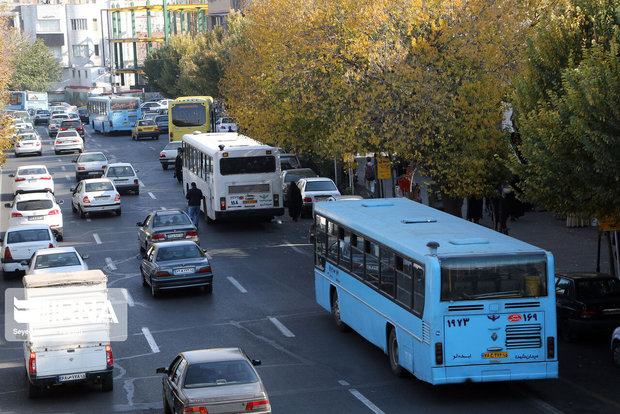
[25, 100]
[111, 113]
[446, 299]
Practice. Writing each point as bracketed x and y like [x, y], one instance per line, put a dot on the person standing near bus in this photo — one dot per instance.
[194, 198]
[295, 202]
[178, 165]
[370, 176]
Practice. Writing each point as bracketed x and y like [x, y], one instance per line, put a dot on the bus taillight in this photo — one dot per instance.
[550, 347]
[222, 203]
[276, 200]
[439, 353]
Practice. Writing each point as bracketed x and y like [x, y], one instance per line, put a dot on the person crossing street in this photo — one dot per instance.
[194, 199]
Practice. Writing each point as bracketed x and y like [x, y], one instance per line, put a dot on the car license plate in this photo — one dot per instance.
[101, 197]
[495, 355]
[175, 235]
[250, 201]
[119, 180]
[93, 173]
[125, 123]
[35, 218]
[72, 377]
[183, 270]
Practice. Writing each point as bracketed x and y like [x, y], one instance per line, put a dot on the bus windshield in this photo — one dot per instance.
[124, 104]
[493, 277]
[188, 115]
[248, 165]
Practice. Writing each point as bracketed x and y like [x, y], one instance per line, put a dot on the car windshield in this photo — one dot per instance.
[57, 260]
[213, 374]
[124, 171]
[165, 220]
[597, 288]
[185, 251]
[320, 186]
[28, 137]
[25, 236]
[31, 171]
[32, 205]
[99, 186]
[92, 157]
[173, 145]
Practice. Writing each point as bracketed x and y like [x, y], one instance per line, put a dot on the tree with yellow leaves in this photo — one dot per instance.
[6, 54]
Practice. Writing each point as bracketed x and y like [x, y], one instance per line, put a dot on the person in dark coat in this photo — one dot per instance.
[474, 209]
[178, 165]
[295, 202]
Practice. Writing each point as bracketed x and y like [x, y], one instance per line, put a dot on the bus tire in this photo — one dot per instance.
[393, 354]
[335, 302]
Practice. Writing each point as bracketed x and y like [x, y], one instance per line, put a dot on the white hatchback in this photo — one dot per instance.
[123, 176]
[37, 208]
[32, 178]
[59, 259]
[90, 165]
[315, 189]
[21, 242]
[68, 141]
[28, 143]
[96, 195]
[168, 155]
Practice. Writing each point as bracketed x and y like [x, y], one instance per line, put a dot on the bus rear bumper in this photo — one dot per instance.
[263, 212]
[501, 372]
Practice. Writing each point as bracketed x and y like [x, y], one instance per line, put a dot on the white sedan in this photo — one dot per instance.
[95, 195]
[68, 141]
[168, 155]
[37, 208]
[28, 143]
[315, 189]
[90, 165]
[123, 176]
[21, 242]
[59, 259]
[32, 178]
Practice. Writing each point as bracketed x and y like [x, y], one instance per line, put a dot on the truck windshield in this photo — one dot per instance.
[493, 277]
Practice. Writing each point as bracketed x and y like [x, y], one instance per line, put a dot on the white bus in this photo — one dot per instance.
[238, 176]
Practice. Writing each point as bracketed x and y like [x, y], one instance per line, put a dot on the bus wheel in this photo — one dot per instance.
[342, 327]
[393, 354]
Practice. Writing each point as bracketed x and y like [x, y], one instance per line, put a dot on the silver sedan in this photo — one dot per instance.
[165, 225]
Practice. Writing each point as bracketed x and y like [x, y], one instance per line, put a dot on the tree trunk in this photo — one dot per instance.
[452, 205]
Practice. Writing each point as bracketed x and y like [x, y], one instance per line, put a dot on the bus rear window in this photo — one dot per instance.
[124, 104]
[248, 165]
[188, 115]
[493, 278]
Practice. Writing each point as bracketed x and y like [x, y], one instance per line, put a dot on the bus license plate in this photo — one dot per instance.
[184, 270]
[72, 377]
[494, 355]
[250, 201]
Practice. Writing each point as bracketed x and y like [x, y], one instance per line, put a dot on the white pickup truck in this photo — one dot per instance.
[68, 341]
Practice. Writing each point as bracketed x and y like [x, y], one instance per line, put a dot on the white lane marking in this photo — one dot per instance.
[59, 159]
[68, 178]
[150, 339]
[237, 284]
[142, 184]
[295, 248]
[110, 263]
[88, 220]
[128, 298]
[62, 167]
[343, 383]
[152, 147]
[152, 196]
[162, 208]
[366, 401]
[285, 331]
[97, 239]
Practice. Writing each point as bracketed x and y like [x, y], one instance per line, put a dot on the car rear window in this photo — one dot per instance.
[125, 171]
[165, 220]
[173, 145]
[67, 134]
[100, 186]
[601, 288]
[161, 119]
[92, 157]
[42, 112]
[32, 205]
[213, 374]
[185, 251]
[66, 124]
[320, 186]
[295, 175]
[57, 260]
[29, 137]
[147, 122]
[25, 236]
[31, 171]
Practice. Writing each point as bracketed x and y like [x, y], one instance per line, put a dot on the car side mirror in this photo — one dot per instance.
[11, 175]
[8, 205]
[137, 171]
[74, 161]
[139, 224]
[60, 202]
[256, 362]
[161, 370]
[140, 256]
[85, 257]
[72, 190]
[25, 263]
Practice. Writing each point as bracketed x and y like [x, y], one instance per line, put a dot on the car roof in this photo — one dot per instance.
[120, 164]
[53, 250]
[584, 275]
[301, 170]
[317, 179]
[35, 196]
[214, 355]
[28, 227]
[96, 180]
[93, 152]
[167, 211]
[21, 167]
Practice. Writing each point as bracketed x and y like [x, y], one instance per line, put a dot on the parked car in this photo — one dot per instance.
[162, 123]
[144, 128]
[41, 116]
[217, 380]
[32, 178]
[95, 195]
[289, 176]
[68, 141]
[28, 143]
[21, 242]
[90, 164]
[72, 124]
[586, 303]
[315, 189]
[123, 176]
[168, 155]
[225, 124]
[165, 225]
[37, 208]
[289, 161]
[84, 115]
[58, 259]
[615, 346]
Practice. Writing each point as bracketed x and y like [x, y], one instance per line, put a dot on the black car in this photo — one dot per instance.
[84, 115]
[72, 124]
[586, 303]
[162, 123]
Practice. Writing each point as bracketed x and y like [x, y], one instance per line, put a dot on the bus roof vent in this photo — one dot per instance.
[412, 220]
[460, 242]
[196, 132]
[378, 204]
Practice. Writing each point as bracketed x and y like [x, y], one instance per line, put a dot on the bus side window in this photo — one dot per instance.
[371, 260]
[418, 289]
[321, 239]
[345, 248]
[404, 285]
[357, 256]
[387, 272]
[332, 242]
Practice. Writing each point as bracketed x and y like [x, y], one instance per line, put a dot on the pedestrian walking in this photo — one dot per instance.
[194, 199]
[178, 165]
[370, 176]
[474, 209]
[295, 202]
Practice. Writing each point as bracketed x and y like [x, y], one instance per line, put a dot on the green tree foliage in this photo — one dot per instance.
[568, 101]
[34, 67]
[6, 53]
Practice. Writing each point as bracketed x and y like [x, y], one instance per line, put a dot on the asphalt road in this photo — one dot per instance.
[262, 301]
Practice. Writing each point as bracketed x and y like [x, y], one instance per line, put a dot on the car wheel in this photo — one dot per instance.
[107, 383]
[73, 209]
[59, 237]
[137, 191]
[82, 213]
[33, 390]
[157, 137]
[77, 177]
[393, 354]
[40, 153]
[208, 289]
[118, 212]
[57, 152]
[80, 151]
[133, 138]
[164, 166]
[16, 155]
[154, 291]
[336, 313]
[144, 282]
[167, 409]
[615, 352]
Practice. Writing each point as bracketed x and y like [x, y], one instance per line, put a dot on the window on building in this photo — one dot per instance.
[95, 24]
[48, 25]
[56, 51]
[96, 50]
[79, 24]
[79, 74]
[85, 74]
[80, 50]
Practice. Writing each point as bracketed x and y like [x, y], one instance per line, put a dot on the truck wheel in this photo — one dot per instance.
[107, 383]
[33, 390]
